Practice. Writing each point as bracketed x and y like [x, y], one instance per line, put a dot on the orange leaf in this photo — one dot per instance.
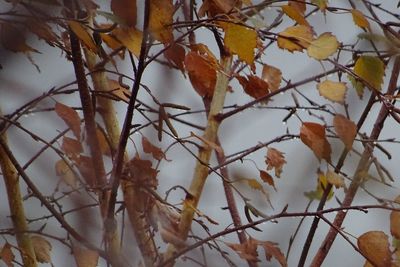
[217, 7]
[395, 221]
[70, 117]
[359, 19]
[345, 129]
[176, 54]
[247, 250]
[253, 86]
[374, 245]
[71, 147]
[83, 35]
[131, 38]
[234, 36]
[143, 172]
[295, 38]
[267, 178]
[7, 255]
[313, 135]
[202, 73]
[85, 166]
[104, 145]
[161, 19]
[273, 76]
[13, 39]
[299, 5]
[155, 151]
[275, 159]
[42, 30]
[85, 257]
[272, 250]
[294, 13]
[121, 93]
[125, 10]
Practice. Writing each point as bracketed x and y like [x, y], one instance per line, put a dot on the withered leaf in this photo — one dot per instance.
[176, 55]
[254, 86]
[85, 257]
[345, 129]
[273, 251]
[142, 172]
[161, 19]
[6, 255]
[247, 250]
[273, 76]
[155, 151]
[66, 174]
[13, 39]
[125, 10]
[375, 247]
[70, 117]
[71, 146]
[42, 249]
[267, 178]
[275, 159]
[313, 135]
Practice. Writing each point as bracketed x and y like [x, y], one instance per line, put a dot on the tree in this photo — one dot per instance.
[114, 134]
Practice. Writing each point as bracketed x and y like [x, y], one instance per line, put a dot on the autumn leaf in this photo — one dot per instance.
[42, 30]
[321, 4]
[299, 5]
[125, 10]
[358, 86]
[359, 19]
[395, 221]
[161, 19]
[256, 185]
[313, 135]
[6, 255]
[267, 178]
[345, 129]
[323, 47]
[275, 159]
[110, 41]
[130, 37]
[149, 148]
[70, 117]
[247, 250]
[217, 7]
[273, 76]
[294, 13]
[374, 245]
[273, 251]
[234, 36]
[42, 249]
[335, 179]
[175, 54]
[253, 86]
[142, 172]
[85, 257]
[83, 35]
[103, 143]
[120, 93]
[295, 38]
[66, 174]
[208, 143]
[85, 167]
[333, 91]
[202, 73]
[371, 70]
[71, 147]
[13, 39]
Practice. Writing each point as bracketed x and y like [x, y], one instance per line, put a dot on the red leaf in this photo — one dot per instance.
[70, 117]
[254, 86]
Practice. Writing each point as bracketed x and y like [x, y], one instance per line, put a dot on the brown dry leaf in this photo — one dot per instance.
[247, 250]
[324, 46]
[253, 86]
[13, 39]
[267, 178]
[335, 179]
[42, 249]
[217, 7]
[130, 37]
[313, 135]
[110, 41]
[42, 30]
[273, 76]
[6, 255]
[256, 185]
[395, 221]
[275, 159]
[71, 146]
[359, 19]
[121, 93]
[161, 19]
[294, 13]
[273, 251]
[295, 38]
[374, 245]
[345, 129]
[202, 73]
[208, 143]
[85, 166]
[125, 10]
[70, 117]
[143, 172]
[155, 151]
[83, 35]
[104, 144]
[234, 36]
[299, 5]
[85, 257]
[333, 91]
[66, 174]
[176, 54]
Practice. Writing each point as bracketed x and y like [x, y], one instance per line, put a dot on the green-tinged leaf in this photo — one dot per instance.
[371, 70]
[322, 184]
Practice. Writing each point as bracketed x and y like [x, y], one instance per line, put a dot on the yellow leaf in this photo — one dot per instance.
[374, 245]
[118, 91]
[83, 35]
[371, 69]
[322, 184]
[395, 221]
[335, 179]
[110, 41]
[234, 40]
[333, 91]
[359, 19]
[321, 4]
[254, 184]
[42, 249]
[313, 135]
[161, 19]
[299, 5]
[323, 47]
[293, 13]
[295, 38]
[85, 257]
[345, 129]
[273, 76]
[131, 38]
[125, 10]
